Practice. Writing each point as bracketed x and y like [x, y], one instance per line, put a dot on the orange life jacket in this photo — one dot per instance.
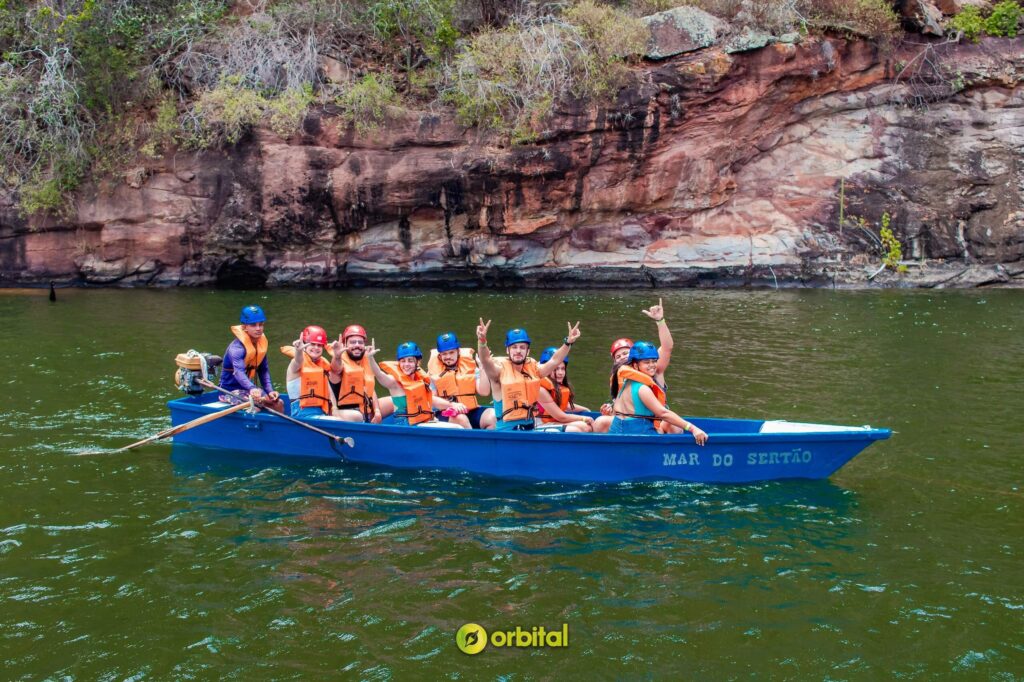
[253, 354]
[418, 398]
[357, 385]
[627, 373]
[314, 381]
[519, 389]
[564, 403]
[314, 387]
[457, 384]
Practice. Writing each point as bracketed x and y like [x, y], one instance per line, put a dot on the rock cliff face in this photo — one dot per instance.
[717, 168]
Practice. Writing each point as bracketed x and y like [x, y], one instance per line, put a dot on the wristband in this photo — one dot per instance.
[689, 428]
[661, 321]
[567, 342]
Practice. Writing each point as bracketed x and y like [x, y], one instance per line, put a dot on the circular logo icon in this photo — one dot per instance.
[471, 638]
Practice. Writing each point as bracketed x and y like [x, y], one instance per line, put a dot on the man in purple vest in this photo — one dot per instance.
[245, 360]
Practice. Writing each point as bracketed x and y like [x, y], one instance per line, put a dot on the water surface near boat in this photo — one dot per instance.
[172, 564]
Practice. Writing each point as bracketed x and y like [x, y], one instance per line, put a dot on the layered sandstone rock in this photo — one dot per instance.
[717, 168]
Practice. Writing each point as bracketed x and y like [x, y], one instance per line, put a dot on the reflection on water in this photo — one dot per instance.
[208, 564]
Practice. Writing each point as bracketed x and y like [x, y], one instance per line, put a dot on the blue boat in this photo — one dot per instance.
[737, 451]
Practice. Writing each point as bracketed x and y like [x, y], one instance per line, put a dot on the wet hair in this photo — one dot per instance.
[614, 383]
[558, 390]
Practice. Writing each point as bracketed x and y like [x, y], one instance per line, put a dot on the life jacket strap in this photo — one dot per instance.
[520, 406]
[367, 408]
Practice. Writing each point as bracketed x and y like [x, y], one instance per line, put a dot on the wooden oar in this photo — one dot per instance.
[175, 430]
[334, 439]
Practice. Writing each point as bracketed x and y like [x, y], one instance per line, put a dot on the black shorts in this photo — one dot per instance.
[474, 416]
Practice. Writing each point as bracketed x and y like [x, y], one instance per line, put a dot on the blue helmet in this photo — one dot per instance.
[516, 335]
[408, 350]
[550, 353]
[251, 314]
[642, 350]
[447, 341]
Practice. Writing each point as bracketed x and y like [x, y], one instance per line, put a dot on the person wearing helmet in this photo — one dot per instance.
[620, 354]
[556, 400]
[456, 377]
[245, 362]
[515, 379]
[412, 400]
[310, 377]
[640, 401]
[356, 393]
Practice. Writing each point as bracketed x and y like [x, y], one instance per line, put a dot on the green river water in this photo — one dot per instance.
[907, 563]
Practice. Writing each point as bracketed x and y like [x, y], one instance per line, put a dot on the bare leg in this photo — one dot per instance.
[487, 419]
[578, 427]
[602, 424]
[387, 407]
[460, 419]
[349, 415]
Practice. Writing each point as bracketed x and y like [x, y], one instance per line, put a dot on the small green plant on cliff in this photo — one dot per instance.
[892, 251]
[287, 111]
[969, 22]
[365, 104]
[1002, 22]
[224, 114]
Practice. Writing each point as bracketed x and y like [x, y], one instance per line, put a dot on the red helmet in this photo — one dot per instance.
[314, 334]
[353, 330]
[619, 344]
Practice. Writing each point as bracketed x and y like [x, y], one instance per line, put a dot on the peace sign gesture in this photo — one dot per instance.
[655, 312]
[574, 333]
[481, 330]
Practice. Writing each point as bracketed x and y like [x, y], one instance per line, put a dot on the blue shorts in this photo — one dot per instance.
[633, 426]
[522, 425]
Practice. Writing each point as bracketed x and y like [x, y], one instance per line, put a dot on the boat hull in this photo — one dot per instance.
[737, 451]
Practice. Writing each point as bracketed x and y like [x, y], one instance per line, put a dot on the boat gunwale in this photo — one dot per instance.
[344, 428]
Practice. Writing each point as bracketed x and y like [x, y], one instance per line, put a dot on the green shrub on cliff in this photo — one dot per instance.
[510, 79]
[365, 104]
[1003, 21]
[969, 22]
[224, 114]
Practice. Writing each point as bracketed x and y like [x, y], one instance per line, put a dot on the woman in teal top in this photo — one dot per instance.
[641, 401]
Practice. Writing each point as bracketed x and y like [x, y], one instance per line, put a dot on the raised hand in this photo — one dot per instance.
[481, 330]
[338, 346]
[574, 333]
[655, 312]
[299, 346]
[372, 349]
